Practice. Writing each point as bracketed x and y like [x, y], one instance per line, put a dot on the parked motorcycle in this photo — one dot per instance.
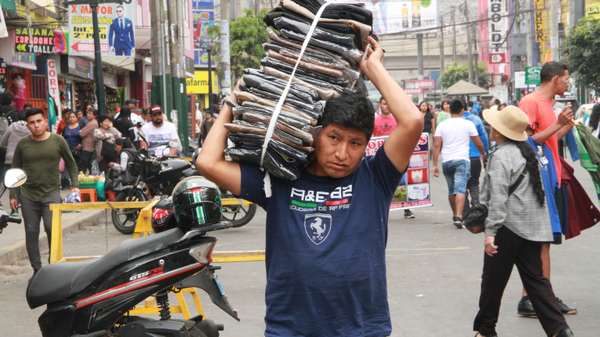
[157, 177]
[92, 298]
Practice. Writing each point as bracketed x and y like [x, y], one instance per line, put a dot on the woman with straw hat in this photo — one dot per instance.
[517, 225]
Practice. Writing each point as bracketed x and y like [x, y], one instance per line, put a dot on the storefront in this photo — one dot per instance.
[78, 76]
[197, 89]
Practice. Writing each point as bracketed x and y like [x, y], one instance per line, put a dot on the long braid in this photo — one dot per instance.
[534, 171]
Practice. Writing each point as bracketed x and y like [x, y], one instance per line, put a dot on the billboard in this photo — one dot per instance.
[116, 28]
[497, 26]
[402, 15]
[202, 21]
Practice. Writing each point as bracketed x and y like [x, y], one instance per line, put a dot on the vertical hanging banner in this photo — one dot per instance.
[53, 89]
[497, 27]
[3, 30]
[116, 24]
[414, 189]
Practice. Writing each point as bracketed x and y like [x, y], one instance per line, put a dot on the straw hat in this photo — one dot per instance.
[511, 122]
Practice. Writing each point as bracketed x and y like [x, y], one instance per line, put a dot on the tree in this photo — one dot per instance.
[246, 36]
[455, 73]
[582, 51]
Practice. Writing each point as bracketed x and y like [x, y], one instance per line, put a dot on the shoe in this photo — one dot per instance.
[14, 213]
[565, 333]
[565, 309]
[525, 308]
[408, 214]
[458, 222]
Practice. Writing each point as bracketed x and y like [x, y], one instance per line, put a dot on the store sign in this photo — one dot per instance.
[199, 84]
[3, 77]
[413, 91]
[539, 21]
[81, 67]
[592, 10]
[34, 40]
[497, 58]
[414, 189]
[116, 29]
[532, 76]
[424, 84]
[520, 80]
[497, 26]
[201, 59]
[53, 89]
[198, 4]
[3, 30]
[402, 15]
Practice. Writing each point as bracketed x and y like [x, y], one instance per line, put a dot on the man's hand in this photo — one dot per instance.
[566, 115]
[14, 204]
[112, 49]
[484, 159]
[374, 57]
[436, 171]
[490, 249]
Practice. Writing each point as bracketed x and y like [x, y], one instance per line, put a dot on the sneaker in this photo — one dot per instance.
[565, 308]
[458, 222]
[408, 214]
[14, 213]
[525, 308]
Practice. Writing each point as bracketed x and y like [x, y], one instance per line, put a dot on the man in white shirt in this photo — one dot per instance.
[455, 134]
[161, 136]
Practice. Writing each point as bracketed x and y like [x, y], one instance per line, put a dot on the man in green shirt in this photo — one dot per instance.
[39, 156]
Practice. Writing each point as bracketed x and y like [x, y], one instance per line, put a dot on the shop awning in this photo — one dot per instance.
[123, 63]
[464, 88]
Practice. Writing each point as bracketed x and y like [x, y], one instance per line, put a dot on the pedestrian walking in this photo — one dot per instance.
[548, 129]
[475, 157]
[87, 140]
[444, 114]
[385, 122]
[332, 220]
[14, 133]
[516, 226]
[39, 155]
[452, 137]
[207, 123]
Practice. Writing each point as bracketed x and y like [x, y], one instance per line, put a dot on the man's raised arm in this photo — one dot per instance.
[211, 162]
[402, 141]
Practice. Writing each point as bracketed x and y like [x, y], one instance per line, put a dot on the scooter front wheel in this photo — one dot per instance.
[125, 219]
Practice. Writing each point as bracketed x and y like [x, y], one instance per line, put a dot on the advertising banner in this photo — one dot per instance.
[497, 26]
[201, 58]
[402, 15]
[199, 84]
[202, 21]
[116, 25]
[414, 189]
[34, 40]
[3, 30]
[53, 89]
[532, 76]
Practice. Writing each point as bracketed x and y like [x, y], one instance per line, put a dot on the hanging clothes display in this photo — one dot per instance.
[589, 153]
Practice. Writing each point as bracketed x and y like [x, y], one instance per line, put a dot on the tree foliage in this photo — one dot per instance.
[582, 51]
[246, 36]
[455, 73]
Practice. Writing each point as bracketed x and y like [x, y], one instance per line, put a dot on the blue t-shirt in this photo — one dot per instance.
[549, 181]
[325, 250]
[72, 136]
[473, 152]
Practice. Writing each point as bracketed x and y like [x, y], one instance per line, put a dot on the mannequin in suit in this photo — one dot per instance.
[121, 37]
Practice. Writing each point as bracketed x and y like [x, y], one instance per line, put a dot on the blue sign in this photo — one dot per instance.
[202, 4]
[201, 59]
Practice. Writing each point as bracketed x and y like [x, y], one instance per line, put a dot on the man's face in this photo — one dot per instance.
[384, 107]
[157, 118]
[120, 12]
[338, 151]
[562, 83]
[37, 124]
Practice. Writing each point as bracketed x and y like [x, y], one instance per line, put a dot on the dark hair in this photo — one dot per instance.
[125, 112]
[350, 110]
[595, 117]
[381, 99]
[34, 111]
[94, 111]
[27, 105]
[6, 98]
[503, 104]
[419, 106]
[456, 106]
[534, 170]
[470, 104]
[103, 118]
[442, 104]
[551, 69]
[123, 142]
[497, 101]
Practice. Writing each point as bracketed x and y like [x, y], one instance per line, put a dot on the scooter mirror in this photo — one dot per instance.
[14, 178]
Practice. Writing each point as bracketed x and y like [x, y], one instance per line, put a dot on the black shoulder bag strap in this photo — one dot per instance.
[514, 186]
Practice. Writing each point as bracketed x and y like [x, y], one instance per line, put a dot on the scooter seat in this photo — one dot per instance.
[60, 281]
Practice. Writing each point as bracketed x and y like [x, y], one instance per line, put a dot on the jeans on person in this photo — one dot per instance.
[457, 173]
[33, 212]
[473, 184]
[85, 162]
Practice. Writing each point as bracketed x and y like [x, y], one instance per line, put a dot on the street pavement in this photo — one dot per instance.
[434, 275]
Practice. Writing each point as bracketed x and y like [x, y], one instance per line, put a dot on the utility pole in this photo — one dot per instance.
[469, 51]
[178, 113]
[454, 32]
[442, 46]
[225, 57]
[529, 35]
[420, 55]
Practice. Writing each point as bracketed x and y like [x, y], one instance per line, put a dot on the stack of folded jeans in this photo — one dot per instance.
[328, 66]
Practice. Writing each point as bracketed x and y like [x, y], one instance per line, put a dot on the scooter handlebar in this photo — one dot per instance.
[14, 219]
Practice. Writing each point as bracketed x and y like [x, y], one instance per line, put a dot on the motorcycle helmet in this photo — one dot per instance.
[196, 203]
[162, 216]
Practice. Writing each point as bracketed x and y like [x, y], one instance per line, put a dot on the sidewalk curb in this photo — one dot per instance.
[19, 252]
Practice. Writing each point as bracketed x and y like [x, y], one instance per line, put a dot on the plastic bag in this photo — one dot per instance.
[95, 168]
[72, 198]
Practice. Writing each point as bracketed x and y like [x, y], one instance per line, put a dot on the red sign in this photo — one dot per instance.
[497, 58]
[81, 47]
[413, 91]
[424, 84]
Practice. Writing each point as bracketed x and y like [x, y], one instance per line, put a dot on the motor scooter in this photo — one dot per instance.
[92, 298]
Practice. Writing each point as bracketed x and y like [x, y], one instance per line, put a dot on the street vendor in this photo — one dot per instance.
[326, 232]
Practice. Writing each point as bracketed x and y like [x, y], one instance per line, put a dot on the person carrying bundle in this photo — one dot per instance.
[327, 230]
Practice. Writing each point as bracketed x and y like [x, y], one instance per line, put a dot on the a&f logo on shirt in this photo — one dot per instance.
[317, 227]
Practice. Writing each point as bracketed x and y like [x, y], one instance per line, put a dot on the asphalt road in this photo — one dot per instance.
[434, 274]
